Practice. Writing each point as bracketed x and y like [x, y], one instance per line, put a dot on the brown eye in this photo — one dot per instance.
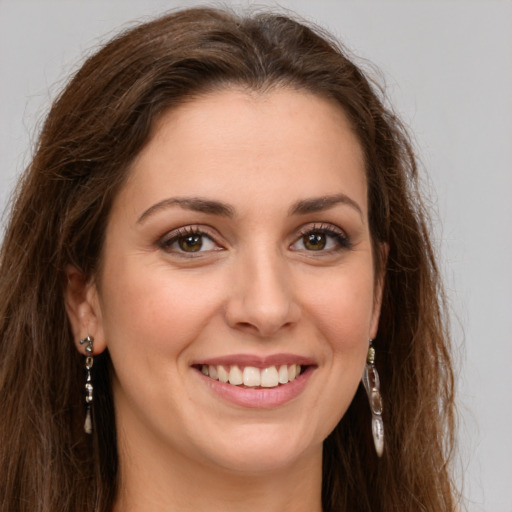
[191, 243]
[187, 241]
[324, 239]
[314, 241]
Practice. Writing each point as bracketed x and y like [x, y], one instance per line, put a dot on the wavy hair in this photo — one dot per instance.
[97, 125]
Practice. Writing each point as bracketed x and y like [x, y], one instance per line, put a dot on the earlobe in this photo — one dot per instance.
[83, 309]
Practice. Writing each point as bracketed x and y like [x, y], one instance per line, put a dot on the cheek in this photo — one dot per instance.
[155, 307]
[344, 318]
[342, 308]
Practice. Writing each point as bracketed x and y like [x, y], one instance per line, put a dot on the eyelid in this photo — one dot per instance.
[344, 241]
[171, 237]
[321, 226]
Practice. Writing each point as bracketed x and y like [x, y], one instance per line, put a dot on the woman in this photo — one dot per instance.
[219, 233]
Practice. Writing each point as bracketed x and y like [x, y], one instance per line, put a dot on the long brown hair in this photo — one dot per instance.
[95, 128]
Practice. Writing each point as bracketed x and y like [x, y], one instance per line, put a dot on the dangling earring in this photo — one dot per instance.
[371, 384]
[89, 360]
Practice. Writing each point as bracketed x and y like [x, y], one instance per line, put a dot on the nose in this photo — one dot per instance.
[262, 299]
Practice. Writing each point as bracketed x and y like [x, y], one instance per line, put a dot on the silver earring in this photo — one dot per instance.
[371, 384]
[89, 397]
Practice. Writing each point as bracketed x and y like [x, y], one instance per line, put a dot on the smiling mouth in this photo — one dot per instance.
[252, 377]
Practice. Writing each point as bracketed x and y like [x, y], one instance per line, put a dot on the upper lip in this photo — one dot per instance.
[256, 361]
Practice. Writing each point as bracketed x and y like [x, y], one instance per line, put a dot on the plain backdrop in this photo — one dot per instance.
[448, 71]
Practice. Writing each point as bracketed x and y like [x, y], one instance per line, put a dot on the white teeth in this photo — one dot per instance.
[251, 376]
[269, 377]
[283, 374]
[212, 370]
[222, 373]
[235, 375]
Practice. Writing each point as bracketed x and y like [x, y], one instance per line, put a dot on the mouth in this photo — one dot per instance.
[252, 377]
[251, 381]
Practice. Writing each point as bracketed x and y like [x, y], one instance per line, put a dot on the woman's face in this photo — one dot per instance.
[239, 250]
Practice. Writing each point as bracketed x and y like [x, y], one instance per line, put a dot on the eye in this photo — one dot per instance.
[315, 241]
[321, 239]
[188, 240]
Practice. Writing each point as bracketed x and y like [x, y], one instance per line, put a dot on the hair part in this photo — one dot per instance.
[95, 129]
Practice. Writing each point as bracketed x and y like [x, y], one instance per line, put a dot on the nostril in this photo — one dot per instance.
[247, 327]
[264, 329]
[261, 311]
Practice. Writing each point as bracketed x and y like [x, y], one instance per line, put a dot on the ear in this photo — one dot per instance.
[383, 249]
[83, 309]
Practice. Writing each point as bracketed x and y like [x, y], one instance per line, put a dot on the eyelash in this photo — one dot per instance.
[341, 240]
[175, 236]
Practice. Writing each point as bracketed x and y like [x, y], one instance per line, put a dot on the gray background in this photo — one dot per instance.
[448, 69]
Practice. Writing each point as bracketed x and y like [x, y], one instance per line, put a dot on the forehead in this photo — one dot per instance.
[236, 143]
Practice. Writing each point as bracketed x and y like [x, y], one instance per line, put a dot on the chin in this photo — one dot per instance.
[262, 449]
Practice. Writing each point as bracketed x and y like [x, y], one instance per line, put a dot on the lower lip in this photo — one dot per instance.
[262, 398]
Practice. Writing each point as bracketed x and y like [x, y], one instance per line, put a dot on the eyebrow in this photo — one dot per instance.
[318, 204]
[196, 204]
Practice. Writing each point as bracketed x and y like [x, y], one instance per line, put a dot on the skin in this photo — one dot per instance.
[256, 287]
